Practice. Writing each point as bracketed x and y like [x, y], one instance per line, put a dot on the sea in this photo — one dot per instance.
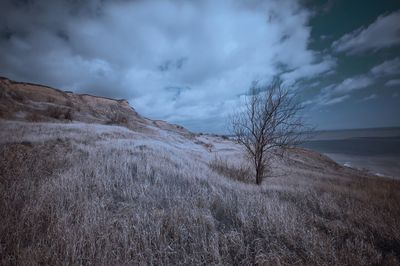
[376, 150]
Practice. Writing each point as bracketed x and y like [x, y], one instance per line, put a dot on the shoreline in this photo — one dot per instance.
[386, 166]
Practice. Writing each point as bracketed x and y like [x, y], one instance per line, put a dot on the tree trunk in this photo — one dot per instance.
[259, 173]
[258, 177]
[259, 166]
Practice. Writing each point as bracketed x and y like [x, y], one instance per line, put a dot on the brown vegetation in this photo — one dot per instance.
[239, 172]
[103, 195]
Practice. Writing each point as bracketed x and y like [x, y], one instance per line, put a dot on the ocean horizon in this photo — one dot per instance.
[376, 150]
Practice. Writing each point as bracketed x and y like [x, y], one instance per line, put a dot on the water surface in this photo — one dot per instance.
[376, 150]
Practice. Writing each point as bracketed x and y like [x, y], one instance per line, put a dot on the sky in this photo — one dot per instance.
[191, 62]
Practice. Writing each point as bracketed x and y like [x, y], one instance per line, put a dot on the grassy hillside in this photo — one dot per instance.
[76, 193]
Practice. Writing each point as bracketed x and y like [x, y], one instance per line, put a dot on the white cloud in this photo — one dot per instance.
[210, 51]
[382, 33]
[369, 97]
[351, 84]
[333, 93]
[335, 100]
[393, 83]
[387, 68]
[337, 93]
[310, 71]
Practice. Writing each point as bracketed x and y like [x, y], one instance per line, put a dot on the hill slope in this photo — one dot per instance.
[37, 103]
[88, 193]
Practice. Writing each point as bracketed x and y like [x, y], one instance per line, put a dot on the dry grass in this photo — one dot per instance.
[97, 195]
[240, 172]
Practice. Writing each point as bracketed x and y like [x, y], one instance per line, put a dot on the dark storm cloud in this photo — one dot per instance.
[139, 50]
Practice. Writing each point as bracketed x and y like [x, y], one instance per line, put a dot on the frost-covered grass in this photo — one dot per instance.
[73, 194]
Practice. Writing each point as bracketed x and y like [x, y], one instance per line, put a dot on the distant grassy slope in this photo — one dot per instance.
[76, 193]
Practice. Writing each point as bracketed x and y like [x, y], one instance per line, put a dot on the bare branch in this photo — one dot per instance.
[270, 124]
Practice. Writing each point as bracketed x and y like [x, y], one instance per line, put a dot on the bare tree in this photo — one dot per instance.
[271, 122]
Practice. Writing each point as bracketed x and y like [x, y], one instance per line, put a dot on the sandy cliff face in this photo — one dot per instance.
[38, 103]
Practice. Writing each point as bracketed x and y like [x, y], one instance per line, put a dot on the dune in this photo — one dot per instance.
[99, 184]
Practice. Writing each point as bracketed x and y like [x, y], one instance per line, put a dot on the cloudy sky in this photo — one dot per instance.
[191, 62]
